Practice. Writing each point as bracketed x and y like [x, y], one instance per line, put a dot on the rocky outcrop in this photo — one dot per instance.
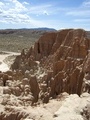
[56, 66]
[16, 114]
[34, 88]
[74, 107]
[60, 62]
[43, 46]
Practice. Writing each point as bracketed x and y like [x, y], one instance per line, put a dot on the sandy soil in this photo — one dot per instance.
[6, 58]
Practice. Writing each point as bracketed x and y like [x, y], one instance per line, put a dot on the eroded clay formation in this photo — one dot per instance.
[59, 62]
[63, 57]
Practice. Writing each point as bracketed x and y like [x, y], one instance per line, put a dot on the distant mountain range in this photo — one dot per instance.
[41, 30]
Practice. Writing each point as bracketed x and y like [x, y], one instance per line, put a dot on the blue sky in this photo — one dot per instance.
[56, 14]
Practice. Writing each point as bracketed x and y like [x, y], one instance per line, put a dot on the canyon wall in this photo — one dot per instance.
[60, 61]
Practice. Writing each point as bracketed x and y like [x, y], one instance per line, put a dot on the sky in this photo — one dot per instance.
[57, 14]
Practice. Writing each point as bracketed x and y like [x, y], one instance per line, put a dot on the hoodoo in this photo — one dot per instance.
[62, 58]
[53, 75]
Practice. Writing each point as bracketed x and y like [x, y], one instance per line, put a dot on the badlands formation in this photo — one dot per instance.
[50, 81]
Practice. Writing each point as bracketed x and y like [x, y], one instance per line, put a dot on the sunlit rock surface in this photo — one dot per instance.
[49, 81]
[62, 60]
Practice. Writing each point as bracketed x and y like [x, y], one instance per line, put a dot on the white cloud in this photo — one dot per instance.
[45, 12]
[82, 11]
[40, 9]
[86, 3]
[82, 20]
[15, 12]
[17, 6]
[12, 11]
[25, 3]
[79, 12]
[26, 14]
[1, 4]
[3, 21]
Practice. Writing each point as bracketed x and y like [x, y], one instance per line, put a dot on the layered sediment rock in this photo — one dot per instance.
[60, 61]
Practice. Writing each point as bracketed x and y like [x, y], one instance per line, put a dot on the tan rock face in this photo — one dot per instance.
[44, 45]
[34, 88]
[59, 62]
